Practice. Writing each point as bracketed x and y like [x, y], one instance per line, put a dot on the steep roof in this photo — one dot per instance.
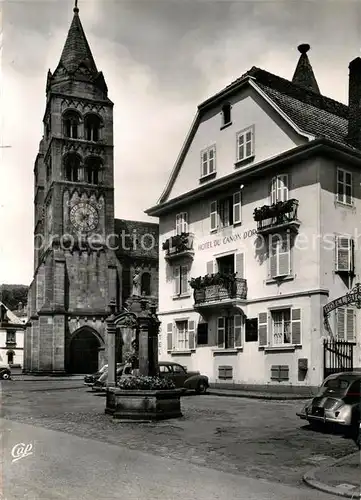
[309, 110]
[76, 50]
[299, 101]
[76, 61]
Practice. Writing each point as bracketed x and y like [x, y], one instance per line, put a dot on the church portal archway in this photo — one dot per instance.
[84, 351]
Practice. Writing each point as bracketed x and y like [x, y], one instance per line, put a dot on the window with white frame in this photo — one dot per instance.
[279, 188]
[245, 144]
[229, 331]
[208, 161]
[344, 254]
[182, 335]
[181, 280]
[345, 323]
[226, 211]
[181, 223]
[281, 327]
[344, 186]
[279, 255]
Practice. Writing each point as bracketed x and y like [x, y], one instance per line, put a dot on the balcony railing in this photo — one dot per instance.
[180, 245]
[221, 293]
[282, 214]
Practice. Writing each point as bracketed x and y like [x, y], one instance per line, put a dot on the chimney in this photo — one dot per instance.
[354, 103]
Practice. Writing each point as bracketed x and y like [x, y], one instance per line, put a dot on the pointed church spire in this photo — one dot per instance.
[76, 50]
[304, 76]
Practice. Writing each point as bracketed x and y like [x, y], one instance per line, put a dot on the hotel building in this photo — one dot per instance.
[259, 225]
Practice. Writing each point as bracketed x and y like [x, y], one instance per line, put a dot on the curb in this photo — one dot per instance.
[310, 479]
[277, 397]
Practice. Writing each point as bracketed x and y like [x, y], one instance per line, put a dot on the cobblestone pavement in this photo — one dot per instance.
[257, 438]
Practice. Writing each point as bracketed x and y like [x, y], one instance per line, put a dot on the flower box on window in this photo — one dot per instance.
[282, 213]
[180, 244]
[218, 287]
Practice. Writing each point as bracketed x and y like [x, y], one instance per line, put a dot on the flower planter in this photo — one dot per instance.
[143, 404]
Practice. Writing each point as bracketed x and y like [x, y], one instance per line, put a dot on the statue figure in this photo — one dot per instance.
[136, 282]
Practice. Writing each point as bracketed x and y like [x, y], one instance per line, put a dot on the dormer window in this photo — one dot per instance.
[226, 114]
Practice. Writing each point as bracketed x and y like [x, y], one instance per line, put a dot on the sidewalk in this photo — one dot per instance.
[342, 477]
[236, 393]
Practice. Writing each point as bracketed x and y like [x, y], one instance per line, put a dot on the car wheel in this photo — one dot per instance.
[201, 388]
[5, 376]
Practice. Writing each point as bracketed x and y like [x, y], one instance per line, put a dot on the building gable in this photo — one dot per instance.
[252, 112]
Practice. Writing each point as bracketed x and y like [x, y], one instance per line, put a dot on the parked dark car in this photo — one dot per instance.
[5, 373]
[182, 377]
[337, 402]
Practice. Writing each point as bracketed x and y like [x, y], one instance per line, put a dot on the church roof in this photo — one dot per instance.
[303, 75]
[76, 50]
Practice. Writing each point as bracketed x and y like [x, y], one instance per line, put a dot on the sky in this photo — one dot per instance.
[160, 59]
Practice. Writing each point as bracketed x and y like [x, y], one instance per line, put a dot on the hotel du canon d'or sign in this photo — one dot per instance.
[231, 238]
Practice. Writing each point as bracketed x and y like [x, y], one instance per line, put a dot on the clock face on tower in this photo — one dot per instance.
[84, 217]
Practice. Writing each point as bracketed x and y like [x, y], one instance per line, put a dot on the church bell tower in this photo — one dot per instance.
[76, 274]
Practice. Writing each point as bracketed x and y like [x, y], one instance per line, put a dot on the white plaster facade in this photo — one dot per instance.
[279, 148]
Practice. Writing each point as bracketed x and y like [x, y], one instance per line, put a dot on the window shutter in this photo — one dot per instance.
[237, 207]
[262, 329]
[343, 253]
[282, 194]
[350, 325]
[240, 148]
[240, 265]
[178, 223]
[273, 190]
[211, 160]
[177, 277]
[169, 336]
[220, 331]
[210, 267]
[340, 315]
[191, 335]
[238, 324]
[284, 261]
[184, 222]
[213, 215]
[296, 326]
[273, 269]
[184, 279]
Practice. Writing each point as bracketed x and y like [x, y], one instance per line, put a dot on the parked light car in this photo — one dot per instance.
[5, 373]
[101, 382]
[90, 379]
[337, 402]
[183, 378]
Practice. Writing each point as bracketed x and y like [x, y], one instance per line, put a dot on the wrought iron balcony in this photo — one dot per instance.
[180, 245]
[280, 215]
[220, 293]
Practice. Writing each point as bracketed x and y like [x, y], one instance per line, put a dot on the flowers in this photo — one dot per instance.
[145, 383]
[222, 279]
[179, 242]
[275, 210]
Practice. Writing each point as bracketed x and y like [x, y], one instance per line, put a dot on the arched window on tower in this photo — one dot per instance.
[72, 164]
[145, 284]
[92, 126]
[71, 122]
[93, 170]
